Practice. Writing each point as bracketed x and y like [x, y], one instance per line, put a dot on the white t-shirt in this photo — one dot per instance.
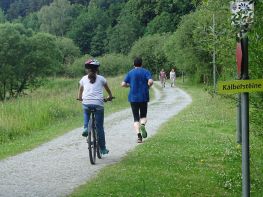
[172, 75]
[93, 93]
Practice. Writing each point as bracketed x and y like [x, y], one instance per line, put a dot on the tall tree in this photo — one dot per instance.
[21, 8]
[56, 18]
[2, 16]
[124, 34]
[98, 42]
[24, 58]
[5, 4]
[84, 27]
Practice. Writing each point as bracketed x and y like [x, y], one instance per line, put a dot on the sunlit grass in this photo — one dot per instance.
[46, 113]
[193, 154]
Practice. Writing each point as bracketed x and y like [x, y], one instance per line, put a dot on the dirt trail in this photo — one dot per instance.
[57, 167]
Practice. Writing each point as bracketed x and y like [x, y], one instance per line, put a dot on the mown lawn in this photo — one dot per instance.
[194, 154]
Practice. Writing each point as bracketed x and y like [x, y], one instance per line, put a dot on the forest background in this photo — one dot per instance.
[52, 38]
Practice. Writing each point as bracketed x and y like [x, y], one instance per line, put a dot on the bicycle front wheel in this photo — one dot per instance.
[92, 142]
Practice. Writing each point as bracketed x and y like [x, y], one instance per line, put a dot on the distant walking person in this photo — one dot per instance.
[139, 80]
[162, 77]
[172, 77]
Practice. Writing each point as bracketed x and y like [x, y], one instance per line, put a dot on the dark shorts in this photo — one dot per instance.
[139, 110]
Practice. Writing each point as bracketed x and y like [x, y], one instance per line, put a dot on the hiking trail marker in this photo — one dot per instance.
[238, 86]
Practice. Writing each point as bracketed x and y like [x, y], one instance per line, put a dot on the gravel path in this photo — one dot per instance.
[57, 167]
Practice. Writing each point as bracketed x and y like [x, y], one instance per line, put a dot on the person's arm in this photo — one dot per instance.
[150, 82]
[81, 88]
[124, 84]
[108, 90]
[126, 81]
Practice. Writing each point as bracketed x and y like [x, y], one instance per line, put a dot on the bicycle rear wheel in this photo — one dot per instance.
[92, 142]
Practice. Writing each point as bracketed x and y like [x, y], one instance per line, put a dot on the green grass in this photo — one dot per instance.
[47, 113]
[194, 154]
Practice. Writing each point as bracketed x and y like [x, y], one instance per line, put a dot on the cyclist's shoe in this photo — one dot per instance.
[85, 132]
[139, 140]
[104, 151]
[143, 131]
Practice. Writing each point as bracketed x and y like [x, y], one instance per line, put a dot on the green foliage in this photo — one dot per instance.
[31, 21]
[69, 50]
[21, 8]
[50, 111]
[56, 18]
[124, 34]
[114, 64]
[163, 23]
[192, 45]
[151, 49]
[2, 16]
[256, 69]
[111, 65]
[97, 43]
[24, 58]
[76, 69]
[193, 154]
[83, 29]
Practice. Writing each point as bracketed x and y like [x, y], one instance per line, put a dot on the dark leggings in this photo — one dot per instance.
[139, 110]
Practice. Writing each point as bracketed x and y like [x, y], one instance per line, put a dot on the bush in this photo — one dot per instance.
[111, 65]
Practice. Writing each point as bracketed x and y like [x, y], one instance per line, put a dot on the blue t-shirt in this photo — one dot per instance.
[138, 80]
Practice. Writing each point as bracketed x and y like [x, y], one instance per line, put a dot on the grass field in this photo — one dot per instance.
[194, 154]
[46, 113]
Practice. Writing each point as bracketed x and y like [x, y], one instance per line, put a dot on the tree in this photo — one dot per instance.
[5, 4]
[31, 21]
[124, 34]
[21, 8]
[24, 58]
[151, 49]
[82, 2]
[84, 27]
[256, 69]
[195, 41]
[56, 18]
[2, 16]
[97, 47]
[69, 50]
[163, 23]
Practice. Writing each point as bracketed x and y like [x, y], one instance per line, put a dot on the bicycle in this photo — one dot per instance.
[92, 138]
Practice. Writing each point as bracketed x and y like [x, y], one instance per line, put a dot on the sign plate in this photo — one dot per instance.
[241, 6]
[238, 86]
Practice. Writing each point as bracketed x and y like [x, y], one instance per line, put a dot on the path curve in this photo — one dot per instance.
[57, 167]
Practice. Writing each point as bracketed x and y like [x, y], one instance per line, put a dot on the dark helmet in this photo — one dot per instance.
[92, 63]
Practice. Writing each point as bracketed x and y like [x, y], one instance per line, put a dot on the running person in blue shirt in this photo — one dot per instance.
[139, 80]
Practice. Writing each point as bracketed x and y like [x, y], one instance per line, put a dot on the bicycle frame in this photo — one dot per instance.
[92, 139]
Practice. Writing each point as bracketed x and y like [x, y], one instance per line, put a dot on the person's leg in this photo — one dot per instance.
[136, 117]
[99, 117]
[143, 118]
[86, 116]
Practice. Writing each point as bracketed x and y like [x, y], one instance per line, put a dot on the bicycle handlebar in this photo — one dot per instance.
[108, 99]
[105, 99]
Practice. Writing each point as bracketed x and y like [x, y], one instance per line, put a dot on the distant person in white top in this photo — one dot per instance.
[91, 96]
[172, 77]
